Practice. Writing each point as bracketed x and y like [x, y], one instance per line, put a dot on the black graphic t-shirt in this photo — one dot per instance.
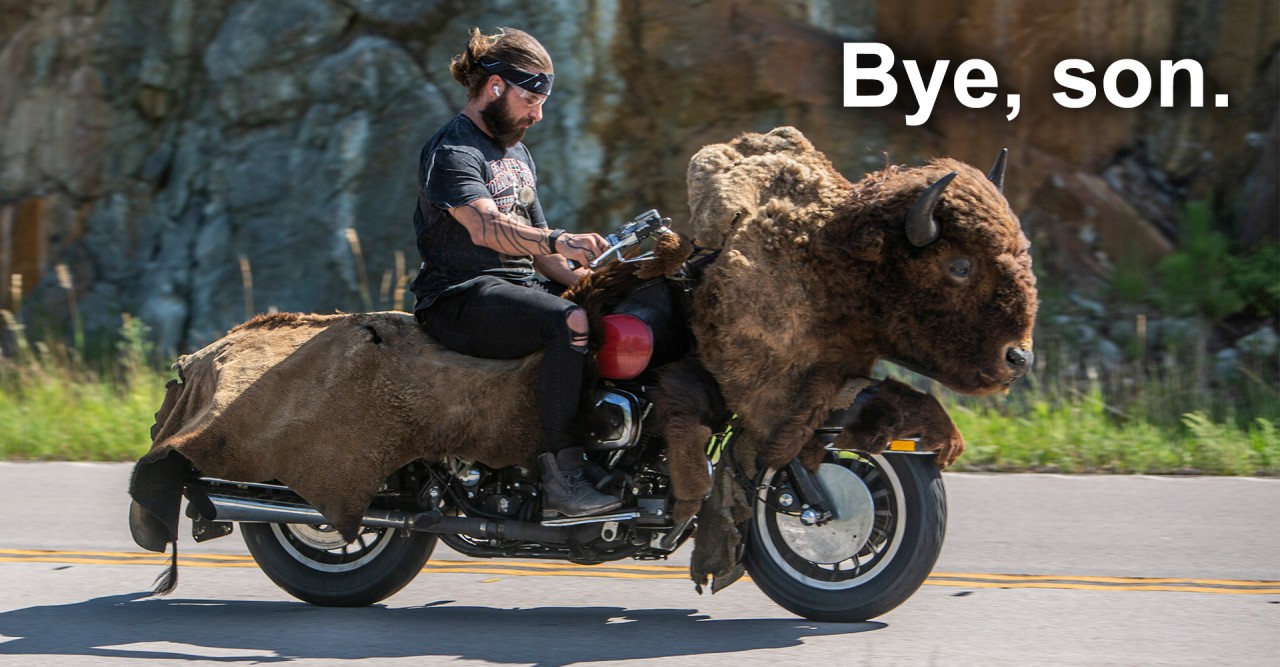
[460, 165]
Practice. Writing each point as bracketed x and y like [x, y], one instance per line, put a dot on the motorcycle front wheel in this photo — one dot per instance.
[891, 516]
[315, 564]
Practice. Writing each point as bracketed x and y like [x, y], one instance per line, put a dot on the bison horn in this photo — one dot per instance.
[996, 175]
[922, 229]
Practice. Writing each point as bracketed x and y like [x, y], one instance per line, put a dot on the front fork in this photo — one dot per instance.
[811, 499]
[800, 494]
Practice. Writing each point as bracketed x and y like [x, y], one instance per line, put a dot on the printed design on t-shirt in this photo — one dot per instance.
[508, 176]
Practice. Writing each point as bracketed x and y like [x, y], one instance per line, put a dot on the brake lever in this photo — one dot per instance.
[595, 263]
[639, 258]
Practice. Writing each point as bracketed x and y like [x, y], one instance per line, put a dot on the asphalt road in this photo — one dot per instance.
[1037, 570]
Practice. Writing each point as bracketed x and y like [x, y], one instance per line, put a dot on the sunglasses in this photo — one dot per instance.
[531, 98]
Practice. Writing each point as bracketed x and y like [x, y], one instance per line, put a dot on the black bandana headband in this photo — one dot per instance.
[534, 83]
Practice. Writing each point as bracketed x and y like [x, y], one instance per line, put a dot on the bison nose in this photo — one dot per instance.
[1019, 360]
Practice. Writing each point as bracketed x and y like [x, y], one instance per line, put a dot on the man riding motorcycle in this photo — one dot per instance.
[477, 291]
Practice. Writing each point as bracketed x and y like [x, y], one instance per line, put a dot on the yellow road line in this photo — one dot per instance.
[536, 569]
[1097, 587]
[158, 561]
[78, 561]
[116, 554]
[1115, 580]
[638, 571]
[557, 573]
[557, 565]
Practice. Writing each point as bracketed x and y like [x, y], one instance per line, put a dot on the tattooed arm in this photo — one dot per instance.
[497, 231]
[556, 267]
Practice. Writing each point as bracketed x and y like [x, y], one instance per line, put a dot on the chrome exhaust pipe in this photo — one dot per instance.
[248, 510]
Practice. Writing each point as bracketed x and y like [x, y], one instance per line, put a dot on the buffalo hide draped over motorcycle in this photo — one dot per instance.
[816, 279]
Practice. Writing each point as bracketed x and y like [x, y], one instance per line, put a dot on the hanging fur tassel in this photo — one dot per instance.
[168, 580]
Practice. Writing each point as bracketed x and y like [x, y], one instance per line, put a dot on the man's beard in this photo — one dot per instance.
[503, 126]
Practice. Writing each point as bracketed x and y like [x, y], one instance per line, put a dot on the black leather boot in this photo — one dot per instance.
[566, 491]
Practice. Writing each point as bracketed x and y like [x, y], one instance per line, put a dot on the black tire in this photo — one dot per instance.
[314, 564]
[896, 555]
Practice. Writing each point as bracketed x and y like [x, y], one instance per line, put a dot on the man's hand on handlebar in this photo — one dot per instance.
[581, 248]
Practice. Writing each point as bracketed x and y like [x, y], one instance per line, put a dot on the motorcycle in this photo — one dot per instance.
[847, 542]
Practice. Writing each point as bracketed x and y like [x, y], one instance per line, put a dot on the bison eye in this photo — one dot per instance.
[961, 268]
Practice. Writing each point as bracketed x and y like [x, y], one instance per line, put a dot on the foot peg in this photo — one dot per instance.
[581, 520]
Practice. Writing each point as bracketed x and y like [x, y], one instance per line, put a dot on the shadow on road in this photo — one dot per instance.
[124, 625]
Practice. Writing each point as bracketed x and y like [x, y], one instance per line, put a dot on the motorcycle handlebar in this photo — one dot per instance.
[640, 228]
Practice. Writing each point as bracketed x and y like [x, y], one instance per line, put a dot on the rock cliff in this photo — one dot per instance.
[192, 162]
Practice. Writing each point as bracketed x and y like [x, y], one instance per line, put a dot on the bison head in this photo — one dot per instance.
[937, 274]
[924, 266]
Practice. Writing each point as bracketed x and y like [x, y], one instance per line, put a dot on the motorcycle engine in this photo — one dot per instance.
[500, 493]
[612, 425]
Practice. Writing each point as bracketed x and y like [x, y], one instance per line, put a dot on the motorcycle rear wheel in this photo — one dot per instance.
[891, 520]
[314, 563]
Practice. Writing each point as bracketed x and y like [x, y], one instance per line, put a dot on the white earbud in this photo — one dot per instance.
[496, 91]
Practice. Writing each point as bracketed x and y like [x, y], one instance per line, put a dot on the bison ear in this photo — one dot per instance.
[922, 229]
[866, 243]
[863, 244]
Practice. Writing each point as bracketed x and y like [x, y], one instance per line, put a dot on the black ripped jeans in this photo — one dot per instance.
[499, 320]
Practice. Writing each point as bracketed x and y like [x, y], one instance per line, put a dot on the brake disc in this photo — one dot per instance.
[841, 537]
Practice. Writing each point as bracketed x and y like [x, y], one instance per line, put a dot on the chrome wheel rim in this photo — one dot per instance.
[835, 556]
[323, 548]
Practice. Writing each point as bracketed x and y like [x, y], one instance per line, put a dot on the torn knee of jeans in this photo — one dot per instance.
[578, 334]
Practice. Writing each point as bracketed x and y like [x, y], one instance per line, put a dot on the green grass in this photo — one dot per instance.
[1135, 417]
[51, 413]
[1083, 436]
[54, 412]
[55, 406]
